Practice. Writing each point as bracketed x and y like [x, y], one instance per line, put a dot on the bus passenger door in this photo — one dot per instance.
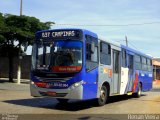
[116, 71]
[130, 73]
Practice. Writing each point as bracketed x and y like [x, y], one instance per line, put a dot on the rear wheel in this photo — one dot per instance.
[138, 93]
[62, 101]
[103, 96]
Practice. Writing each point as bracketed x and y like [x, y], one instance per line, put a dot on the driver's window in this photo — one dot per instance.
[91, 53]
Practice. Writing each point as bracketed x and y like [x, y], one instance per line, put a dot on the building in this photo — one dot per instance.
[156, 68]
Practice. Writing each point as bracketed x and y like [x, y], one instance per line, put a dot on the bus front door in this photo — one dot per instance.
[130, 74]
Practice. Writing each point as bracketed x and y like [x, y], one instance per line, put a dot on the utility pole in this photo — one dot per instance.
[19, 54]
[126, 41]
[21, 5]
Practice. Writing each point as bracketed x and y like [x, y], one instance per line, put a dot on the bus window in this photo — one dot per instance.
[40, 55]
[144, 63]
[149, 64]
[105, 53]
[124, 60]
[137, 60]
[91, 55]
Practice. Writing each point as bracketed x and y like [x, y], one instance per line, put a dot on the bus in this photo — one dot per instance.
[78, 64]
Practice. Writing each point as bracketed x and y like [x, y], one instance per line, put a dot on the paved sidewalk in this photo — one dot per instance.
[23, 81]
[6, 85]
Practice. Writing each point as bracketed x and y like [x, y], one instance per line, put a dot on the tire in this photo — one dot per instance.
[103, 96]
[138, 93]
[62, 101]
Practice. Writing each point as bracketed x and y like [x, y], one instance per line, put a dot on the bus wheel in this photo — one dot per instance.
[62, 101]
[138, 93]
[103, 96]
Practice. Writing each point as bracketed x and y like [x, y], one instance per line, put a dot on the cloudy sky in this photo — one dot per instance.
[111, 15]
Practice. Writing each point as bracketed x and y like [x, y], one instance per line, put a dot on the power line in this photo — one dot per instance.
[95, 25]
[129, 42]
[119, 41]
[133, 45]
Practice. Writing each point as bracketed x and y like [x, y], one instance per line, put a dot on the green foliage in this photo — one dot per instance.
[2, 28]
[23, 28]
[18, 28]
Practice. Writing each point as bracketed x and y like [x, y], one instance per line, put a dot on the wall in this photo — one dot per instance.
[25, 67]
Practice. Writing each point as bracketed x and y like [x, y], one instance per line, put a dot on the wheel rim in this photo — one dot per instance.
[139, 91]
[103, 95]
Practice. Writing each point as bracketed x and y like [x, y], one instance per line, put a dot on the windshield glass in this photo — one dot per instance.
[59, 56]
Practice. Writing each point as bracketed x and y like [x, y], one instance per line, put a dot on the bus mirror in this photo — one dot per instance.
[92, 47]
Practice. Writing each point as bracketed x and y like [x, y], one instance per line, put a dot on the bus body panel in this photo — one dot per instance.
[124, 80]
[90, 85]
[104, 76]
[90, 78]
[144, 77]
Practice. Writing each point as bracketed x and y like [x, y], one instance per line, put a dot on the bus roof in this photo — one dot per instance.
[110, 41]
[136, 51]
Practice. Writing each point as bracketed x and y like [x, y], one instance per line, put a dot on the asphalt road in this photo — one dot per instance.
[16, 99]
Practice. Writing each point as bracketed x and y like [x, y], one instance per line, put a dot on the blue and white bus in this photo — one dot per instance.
[77, 64]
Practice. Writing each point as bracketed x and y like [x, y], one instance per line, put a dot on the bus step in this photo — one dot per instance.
[129, 93]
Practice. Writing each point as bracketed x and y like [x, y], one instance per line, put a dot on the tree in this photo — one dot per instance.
[2, 27]
[17, 28]
[6, 46]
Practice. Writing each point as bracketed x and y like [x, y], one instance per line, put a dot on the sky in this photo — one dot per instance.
[111, 13]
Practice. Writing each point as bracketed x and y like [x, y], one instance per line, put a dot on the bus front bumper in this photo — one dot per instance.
[69, 93]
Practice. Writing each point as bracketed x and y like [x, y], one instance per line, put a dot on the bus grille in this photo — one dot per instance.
[53, 79]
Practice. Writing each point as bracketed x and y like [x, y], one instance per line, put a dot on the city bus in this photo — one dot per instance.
[78, 64]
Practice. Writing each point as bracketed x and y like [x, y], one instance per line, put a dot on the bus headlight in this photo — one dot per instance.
[32, 82]
[77, 84]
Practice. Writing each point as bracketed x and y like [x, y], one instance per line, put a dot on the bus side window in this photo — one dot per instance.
[149, 64]
[91, 52]
[138, 62]
[105, 53]
[144, 64]
[124, 58]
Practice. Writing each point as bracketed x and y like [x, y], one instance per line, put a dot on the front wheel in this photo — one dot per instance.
[103, 96]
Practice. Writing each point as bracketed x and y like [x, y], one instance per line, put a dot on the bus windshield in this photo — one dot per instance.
[58, 56]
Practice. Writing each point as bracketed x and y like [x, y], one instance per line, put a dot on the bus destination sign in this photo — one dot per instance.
[61, 34]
